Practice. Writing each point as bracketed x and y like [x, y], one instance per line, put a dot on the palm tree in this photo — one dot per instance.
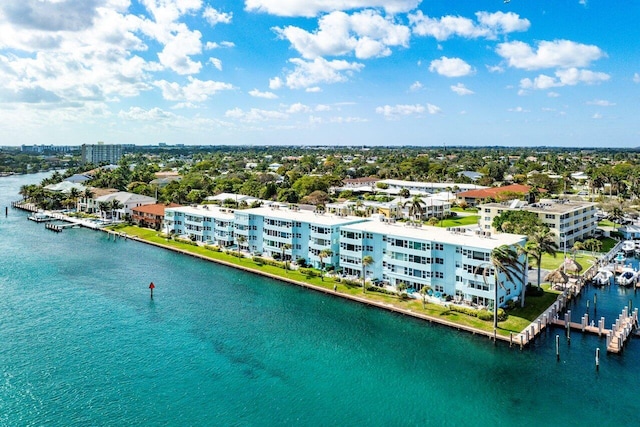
[103, 207]
[616, 214]
[504, 260]
[114, 205]
[416, 207]
[86, 195]
[541, 242]
[367, 260]
[74, 195]
[285, 247]
[593, 245]
[424, 291]
[240, 239]
[322, 254]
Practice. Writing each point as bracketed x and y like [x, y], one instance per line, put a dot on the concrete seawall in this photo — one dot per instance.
[361, 300]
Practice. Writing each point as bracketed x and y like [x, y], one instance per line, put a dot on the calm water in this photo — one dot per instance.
[81, 343]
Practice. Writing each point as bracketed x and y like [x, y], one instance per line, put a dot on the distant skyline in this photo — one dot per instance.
[321, 72]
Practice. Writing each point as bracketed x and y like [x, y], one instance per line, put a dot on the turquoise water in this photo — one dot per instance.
[81, 343]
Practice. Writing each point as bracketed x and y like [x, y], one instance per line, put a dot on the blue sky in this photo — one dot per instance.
[321, 72]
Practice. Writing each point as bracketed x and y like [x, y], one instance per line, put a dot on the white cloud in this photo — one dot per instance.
[310, 8]
[255, 115]
[214, 45]
[495, 69]
[405, 110]
[311, 73]
[151, 115]
[298, 108]
[195, 91]
[365, 33]
[215, 17]
[518, 110]
[450, 67]
[216, 63]
[461, 89]
[553, 94]
[636, 78]
[314, 89]
[596, 116]
[275, 83]
[489, 25]
[415, 86]
[554, 54]
[568, 77]
[322, 107]
[267, 95]
[601, 103]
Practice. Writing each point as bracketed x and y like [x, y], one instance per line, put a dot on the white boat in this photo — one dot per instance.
[602, 277]
[627, 277]
[40, 217]
[628, 247]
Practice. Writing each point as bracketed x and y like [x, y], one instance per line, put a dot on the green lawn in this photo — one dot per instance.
[518, 318]
[606, 223]
[459, 221]
[551, 263]
[459, 209]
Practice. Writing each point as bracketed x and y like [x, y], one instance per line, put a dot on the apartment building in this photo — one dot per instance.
[207, 224]
[277, 231]
[101, 153]
[569, 220]
[454, 262]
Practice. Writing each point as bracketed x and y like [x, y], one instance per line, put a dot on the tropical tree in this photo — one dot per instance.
[322, 254]
[367, 260]
[285, 247]
[616, 214]
[539, 243]
[594, 245]
[433, 221]
[424, 291]
[103, 207]
[416, 207]
[504, 260]
[114, 205]
[240, 239]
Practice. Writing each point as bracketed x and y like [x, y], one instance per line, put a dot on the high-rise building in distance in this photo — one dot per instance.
[101, 152]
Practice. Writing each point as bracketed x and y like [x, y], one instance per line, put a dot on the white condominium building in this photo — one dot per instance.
[277, 231]
[570, 221]
[455, 262]
[208, 224]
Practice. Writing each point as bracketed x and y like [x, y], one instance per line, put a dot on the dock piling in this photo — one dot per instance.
[597, 359]
[558, 347]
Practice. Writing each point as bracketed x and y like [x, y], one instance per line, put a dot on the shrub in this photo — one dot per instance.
[485, 315]
[212, 248]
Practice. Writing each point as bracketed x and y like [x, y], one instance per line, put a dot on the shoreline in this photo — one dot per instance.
[492, 335]
[380, 305]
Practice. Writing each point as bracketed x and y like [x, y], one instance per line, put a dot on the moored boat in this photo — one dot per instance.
[602, 277]
[628, 277]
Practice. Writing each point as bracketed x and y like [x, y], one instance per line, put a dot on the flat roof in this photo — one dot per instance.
[463, 237]
[206, 210]
[550, 206]
[303, 216]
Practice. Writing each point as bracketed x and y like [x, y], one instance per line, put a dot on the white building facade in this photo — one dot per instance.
[570, 221]
[453, 262]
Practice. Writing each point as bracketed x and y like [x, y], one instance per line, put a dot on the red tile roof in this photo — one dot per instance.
[157, 209]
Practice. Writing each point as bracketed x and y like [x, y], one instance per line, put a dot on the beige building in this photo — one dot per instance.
[570, 221]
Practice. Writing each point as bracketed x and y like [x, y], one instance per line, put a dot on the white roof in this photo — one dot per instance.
[239, 197]
[466, 238]
[65, 187]
[126, 197]
[206, 210]
[304, 216]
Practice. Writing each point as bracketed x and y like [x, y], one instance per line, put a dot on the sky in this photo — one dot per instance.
[321, 72]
